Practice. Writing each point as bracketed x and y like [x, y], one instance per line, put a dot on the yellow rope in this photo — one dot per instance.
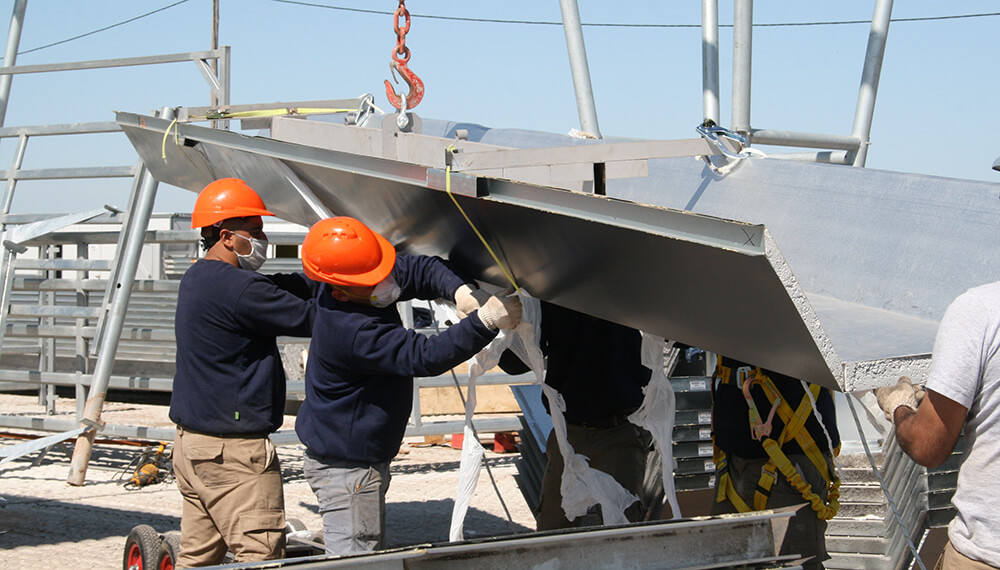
[163, 149]
[166, 133]
[219, 114]
[447, 187]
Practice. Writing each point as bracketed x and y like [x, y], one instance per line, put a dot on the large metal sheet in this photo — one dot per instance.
[726, 541]
[718, 284]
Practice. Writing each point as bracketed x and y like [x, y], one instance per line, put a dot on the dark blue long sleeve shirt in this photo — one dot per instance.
[359, 376]
[229, 377]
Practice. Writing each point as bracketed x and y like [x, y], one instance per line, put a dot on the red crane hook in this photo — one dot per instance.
[416, 93]
[400, 56]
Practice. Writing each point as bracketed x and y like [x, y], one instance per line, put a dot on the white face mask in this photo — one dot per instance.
[385, 293]
[257, 255]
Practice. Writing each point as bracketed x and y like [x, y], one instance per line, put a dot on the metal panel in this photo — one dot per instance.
[728, 541]
[611, 258]
[706, 281]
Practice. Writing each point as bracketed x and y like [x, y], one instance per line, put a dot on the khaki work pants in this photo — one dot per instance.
[952, 559]
[233, 498]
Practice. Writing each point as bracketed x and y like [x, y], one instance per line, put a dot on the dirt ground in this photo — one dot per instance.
[44, 522]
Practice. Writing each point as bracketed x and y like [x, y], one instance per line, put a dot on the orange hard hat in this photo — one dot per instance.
[344, 251]
[226, 198]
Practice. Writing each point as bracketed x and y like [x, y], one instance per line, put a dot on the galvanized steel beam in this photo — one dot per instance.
[750, 539]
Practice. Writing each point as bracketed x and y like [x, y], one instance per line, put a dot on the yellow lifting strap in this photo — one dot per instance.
[794, 428]
[219, 114]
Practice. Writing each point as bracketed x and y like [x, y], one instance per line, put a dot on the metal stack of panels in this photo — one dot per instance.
[867, 533]
[693, 433]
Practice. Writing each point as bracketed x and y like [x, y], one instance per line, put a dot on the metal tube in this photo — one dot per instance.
[742, 56]
[827, 156]
[137, 224]
[82, 342]
[10, 55]
[869, 78]
[214, 100]
[809, 140]
[578, 67]
[225, 65]
[710, 59]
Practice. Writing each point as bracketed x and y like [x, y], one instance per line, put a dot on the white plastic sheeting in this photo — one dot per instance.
[472, 450]
[582, 486]
[656, 414]
[523, 341]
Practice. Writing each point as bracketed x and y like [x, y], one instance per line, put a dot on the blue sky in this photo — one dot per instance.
[936, 111]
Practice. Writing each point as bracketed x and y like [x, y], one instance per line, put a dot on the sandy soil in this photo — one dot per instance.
[47, 523]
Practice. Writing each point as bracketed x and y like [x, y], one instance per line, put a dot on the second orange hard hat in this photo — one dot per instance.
[344, 251]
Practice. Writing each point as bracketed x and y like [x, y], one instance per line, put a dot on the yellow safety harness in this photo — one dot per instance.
[794, 429]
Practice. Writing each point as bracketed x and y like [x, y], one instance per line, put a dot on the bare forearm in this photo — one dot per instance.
[920, 438]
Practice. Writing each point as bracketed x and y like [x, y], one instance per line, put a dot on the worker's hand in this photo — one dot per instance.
[904, 393]
[468, 299]
[501, 312]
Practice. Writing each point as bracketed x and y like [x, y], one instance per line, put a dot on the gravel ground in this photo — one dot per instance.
[46, 522]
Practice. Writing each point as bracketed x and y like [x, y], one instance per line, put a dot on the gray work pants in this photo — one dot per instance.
[351, 499]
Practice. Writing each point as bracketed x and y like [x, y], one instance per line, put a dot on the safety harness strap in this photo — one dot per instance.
[794, 424]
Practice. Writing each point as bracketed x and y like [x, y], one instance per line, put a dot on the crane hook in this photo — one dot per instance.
[416, 93]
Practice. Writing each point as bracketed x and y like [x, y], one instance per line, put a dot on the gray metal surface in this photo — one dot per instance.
[728, 541]
[880, 254]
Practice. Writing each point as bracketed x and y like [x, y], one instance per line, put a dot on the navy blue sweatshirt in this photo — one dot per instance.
[596, 365]
[359, 376]
[229, 377]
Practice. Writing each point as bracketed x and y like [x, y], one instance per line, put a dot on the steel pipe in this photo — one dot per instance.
[579, 68]
[128, 256]
[809, 140]
[870, 77]
[710, 60]
[10, 55]
[742, 62]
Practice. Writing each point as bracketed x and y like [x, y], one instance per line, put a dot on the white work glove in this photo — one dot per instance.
[501, 312]
[468, 299]
[904, 393]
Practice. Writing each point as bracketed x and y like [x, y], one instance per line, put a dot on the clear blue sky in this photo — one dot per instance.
[936, 112]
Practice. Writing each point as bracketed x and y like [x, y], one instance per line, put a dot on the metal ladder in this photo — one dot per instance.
[48, 322]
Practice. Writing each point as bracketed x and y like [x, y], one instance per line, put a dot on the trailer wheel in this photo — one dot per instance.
[294, 525]
[141, 546]
[170, 549]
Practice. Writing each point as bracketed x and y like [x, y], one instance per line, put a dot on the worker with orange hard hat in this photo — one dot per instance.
[359, 376]
[229, 387]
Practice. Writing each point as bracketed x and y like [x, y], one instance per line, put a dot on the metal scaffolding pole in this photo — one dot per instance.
[578, 67]
[869, 78]
[710, 60]
[742, 56]
[141, 208]
[10, 55]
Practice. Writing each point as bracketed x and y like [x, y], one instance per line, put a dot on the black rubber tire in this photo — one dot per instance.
[294, 525]
[170, 549]
[141, 548]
